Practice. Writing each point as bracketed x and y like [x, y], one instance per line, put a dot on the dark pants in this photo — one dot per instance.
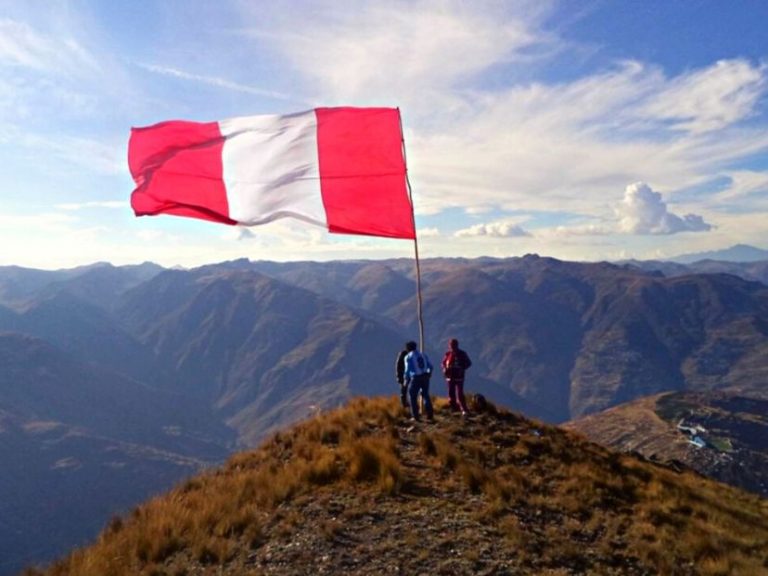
[420, 385]
[456, 394]
[404, 394]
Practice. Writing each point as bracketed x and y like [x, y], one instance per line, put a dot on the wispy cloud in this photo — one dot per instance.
[492, 128]
[26, 47]
[74, 206]
[60, 91]
[709, 99]
[93, 155]
[743, 183]
[45, 221]
[402, 50]
[213, 81]
[42, 72]
[557, 146]
[568, 147]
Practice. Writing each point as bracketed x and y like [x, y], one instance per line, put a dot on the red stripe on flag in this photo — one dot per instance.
[178, 170]
[362, 172]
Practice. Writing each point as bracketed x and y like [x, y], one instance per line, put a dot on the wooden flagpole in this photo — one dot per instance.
[419, 307]
[418, 279]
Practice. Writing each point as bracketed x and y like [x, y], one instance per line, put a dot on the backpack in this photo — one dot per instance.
[423, 365]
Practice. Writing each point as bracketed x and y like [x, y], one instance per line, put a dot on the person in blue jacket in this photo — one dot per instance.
[418, 370]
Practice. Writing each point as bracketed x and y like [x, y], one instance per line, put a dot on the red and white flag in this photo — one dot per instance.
[342, 168]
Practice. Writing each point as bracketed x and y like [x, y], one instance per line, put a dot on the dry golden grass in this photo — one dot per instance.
[550, 496]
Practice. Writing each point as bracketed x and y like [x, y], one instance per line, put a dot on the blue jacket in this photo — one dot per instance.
[417, 363]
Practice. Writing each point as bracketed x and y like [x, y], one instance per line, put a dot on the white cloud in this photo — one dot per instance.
[214, 81]
[428, 232]
[642, 211]
[567, 147]
[482, 137]
[46, 221]
[709, 99]
[24, 46]
[94, 155]
[744, 183]
[153, 235]
[540, 146]
[494, 230]
[581, 230]
[382, 51]
[73, 206]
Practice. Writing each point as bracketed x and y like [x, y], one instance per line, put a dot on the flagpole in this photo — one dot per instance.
[418, 275]
[419, 306]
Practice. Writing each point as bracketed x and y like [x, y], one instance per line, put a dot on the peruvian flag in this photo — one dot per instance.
[342, 168]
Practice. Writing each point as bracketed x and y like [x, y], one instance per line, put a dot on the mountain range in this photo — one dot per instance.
[178, 368]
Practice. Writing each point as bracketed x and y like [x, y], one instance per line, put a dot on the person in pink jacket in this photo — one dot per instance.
[455, 363]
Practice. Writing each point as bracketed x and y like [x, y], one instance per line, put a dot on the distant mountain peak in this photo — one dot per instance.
[736, 253]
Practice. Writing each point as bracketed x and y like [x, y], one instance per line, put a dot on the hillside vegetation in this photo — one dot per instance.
[360, 490]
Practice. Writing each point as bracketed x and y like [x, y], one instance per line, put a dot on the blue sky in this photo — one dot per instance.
[582, 130]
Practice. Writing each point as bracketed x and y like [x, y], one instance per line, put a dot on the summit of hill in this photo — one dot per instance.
[364, 490]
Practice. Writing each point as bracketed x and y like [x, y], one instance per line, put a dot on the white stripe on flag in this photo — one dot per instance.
[271, 168]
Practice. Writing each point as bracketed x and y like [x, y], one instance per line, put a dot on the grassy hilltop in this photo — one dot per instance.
[359, 490]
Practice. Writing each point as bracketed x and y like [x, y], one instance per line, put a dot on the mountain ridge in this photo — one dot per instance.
[257, 346]
[360, 489]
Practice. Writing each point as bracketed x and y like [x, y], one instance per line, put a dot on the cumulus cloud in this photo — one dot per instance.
[642, 211]
[493, 230]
